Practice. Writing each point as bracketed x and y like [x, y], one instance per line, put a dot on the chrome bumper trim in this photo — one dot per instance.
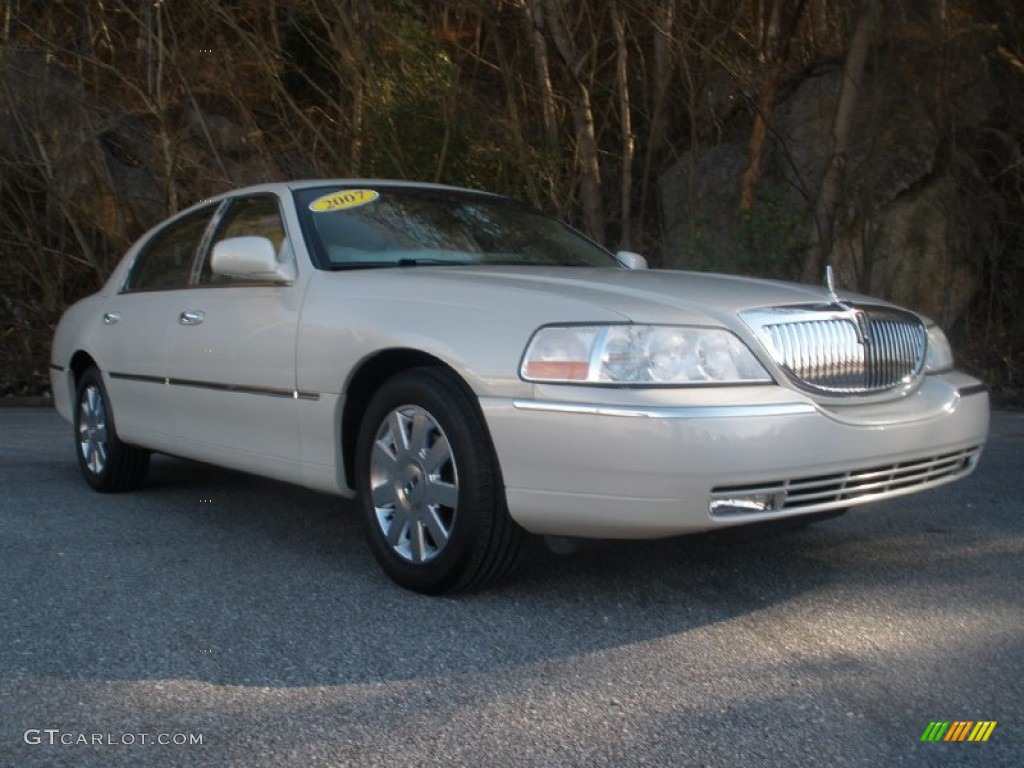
[654, 412]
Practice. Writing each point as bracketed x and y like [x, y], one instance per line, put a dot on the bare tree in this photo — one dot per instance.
[588, 161]
[783, 21]
[831, 193]
[625, 123]
[661, 20]
[533, 16]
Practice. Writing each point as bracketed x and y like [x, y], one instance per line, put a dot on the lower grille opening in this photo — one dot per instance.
[821, 492]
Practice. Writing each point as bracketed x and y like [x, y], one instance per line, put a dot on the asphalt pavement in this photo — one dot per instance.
[218, 619]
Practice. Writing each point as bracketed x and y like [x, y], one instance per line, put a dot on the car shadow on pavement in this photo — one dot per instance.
[228, 578]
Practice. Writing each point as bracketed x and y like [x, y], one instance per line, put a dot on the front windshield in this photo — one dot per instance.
[366, 226]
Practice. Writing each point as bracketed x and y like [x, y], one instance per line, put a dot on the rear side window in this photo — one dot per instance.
[166, 260]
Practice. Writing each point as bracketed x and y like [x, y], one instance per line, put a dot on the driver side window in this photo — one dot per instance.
[247, 217]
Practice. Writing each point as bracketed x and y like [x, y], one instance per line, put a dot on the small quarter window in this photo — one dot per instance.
[247, 217]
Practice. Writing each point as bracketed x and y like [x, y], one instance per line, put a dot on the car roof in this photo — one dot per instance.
[284, 188]
[280, 187]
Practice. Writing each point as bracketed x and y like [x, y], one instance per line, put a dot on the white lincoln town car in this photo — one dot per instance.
[473, 371]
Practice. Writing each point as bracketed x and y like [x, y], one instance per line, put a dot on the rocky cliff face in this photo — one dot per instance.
[110, 169]
[920, 213]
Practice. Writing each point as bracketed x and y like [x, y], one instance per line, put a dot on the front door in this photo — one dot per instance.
[231, 356]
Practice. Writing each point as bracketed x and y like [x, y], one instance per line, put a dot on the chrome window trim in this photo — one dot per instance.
[203, 251]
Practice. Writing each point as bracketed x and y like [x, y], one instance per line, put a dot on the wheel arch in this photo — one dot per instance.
[367, 379]
[76, 367]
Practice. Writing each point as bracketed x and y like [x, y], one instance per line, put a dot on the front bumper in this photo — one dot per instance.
[645, 465]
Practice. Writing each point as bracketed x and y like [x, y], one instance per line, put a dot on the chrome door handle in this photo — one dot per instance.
[191, 317]
[111, 317]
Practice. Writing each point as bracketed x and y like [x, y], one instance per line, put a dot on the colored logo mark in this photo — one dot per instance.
[959, 730]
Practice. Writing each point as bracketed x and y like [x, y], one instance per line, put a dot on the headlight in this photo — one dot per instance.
[639, 355]
[940, 354]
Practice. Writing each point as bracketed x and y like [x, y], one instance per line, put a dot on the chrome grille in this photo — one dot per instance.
[836, 491]
[843, 351]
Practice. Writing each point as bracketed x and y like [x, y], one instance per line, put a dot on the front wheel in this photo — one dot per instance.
[106, 463]
[430, 486]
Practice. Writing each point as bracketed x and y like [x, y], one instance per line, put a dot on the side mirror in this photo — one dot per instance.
[250, 258]
[631, 260]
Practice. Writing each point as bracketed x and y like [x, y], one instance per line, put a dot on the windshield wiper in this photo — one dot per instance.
[407, 262]
[341, 266]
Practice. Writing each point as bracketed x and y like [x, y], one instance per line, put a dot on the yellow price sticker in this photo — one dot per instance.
[343, 200]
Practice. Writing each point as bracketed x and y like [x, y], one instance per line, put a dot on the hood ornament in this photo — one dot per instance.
[860, 318]
[830, 283]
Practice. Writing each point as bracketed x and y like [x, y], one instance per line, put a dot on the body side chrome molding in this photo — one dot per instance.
[676, 412]
[137, 377]
[239, 388]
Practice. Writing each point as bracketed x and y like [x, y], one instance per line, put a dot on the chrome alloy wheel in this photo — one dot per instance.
[414, 484]
[93, 440]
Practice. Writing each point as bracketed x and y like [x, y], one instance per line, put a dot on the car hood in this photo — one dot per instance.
[639, 296]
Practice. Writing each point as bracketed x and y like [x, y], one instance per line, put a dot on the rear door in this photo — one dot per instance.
[132, 335]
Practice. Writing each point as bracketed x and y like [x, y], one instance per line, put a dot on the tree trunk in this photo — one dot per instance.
[831, 193]
[587, 159]
[626, 122]
[533, 14]
[775, 52]
[515, 120]
[663, 18]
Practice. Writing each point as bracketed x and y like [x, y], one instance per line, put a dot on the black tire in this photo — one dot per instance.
[439, 494]
[107, 464]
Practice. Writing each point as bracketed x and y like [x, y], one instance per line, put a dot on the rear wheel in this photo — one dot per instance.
[430, 486]
[106, 463]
